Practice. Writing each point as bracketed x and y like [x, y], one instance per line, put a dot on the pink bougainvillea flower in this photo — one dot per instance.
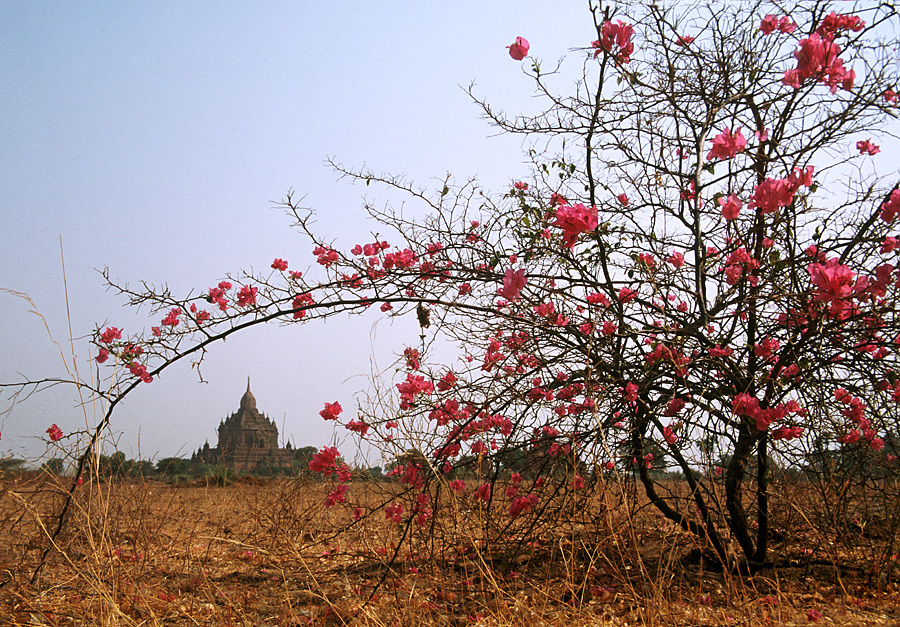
[575, 220]
[770, 23]
[623, 199]
[833, 280]
[513, 283]
[521, 186]
[324, 460]
[685, 40]
[726, 145]
[889, 245]
[110, 334]
[866, 147]
[834, 23]
[731, 206]
[246, 296]
[55, 433]
[676, 259]
[616, 36]
[518, 50]
[358, 426]
[279, 264]
[299, 305]
[331, 411]
[102, 356]
[891, 207]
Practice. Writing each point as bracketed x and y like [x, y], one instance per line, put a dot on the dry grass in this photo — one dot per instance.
[268, 553]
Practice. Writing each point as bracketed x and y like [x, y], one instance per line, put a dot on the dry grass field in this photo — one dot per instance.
[269, 553]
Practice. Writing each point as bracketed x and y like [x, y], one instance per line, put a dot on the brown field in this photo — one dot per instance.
[268, 553]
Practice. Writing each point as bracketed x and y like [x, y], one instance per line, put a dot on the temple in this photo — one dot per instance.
[247, 440]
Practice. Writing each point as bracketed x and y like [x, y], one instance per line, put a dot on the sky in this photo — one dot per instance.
[154, 139]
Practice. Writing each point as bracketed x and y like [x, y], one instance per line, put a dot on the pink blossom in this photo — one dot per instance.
[891, 207]
[889, 245]
[684, 40]
[623, 199]
[626, 295]
[513, 283]
[787, 433]
[55, 433]
[279, 264]
[246, 296]
[833, 280]
[523, 504]
[575, 220]
[483, 492]
[616, 36]
[674, 407]
[731, 206]
[609, 328]
[110, 334]
[866, 147]
[518, 50]
[770, 23]
[890, 96]
[726, 145]
[102, 356]
[771, 195]
[357, 426]
[300, 303]
[676, 259]
[324, 460]
[834, 23]
[394, 512]
[331, 411]
[521, 186]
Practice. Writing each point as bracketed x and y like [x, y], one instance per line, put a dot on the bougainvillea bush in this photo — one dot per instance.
[698, 276]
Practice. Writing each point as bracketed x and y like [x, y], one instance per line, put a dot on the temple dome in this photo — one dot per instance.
[248, 401]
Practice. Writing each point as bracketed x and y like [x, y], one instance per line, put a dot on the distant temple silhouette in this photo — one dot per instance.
[247, 440]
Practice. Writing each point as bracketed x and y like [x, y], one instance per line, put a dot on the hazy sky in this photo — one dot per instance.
[152, 138]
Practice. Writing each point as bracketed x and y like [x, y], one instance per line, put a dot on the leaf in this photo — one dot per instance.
[445, 191]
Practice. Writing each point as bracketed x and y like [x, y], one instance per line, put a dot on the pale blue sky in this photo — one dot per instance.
[152, 137]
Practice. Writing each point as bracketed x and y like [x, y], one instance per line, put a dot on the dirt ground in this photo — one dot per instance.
[269, 553]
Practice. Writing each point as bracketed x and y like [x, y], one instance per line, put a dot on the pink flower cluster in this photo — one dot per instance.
[891, 207]
[748, 406]
[300, 303]
[726, 145]
[54, 433]
[518, 50]
[773, 194]
[817, 58]
[740, 264]
[217, 295]
[616, 36]
[770, 24]
[866, 147]
[246, 296]
[411, 388]
[834, 283]
[731, 206]
[513, 283]
[331, 411]
[575, 220]
[854, 410]
[325, 256]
